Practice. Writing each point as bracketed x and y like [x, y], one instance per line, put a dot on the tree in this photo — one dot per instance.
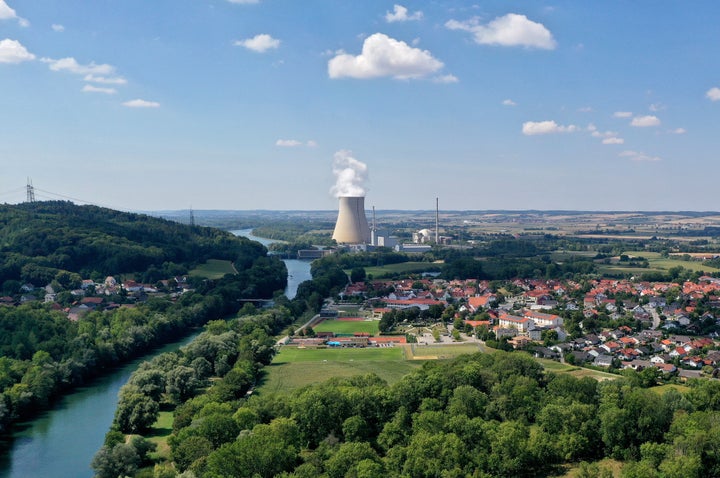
[136, 412]
[120, 460]
[266, 452]
[357, 274]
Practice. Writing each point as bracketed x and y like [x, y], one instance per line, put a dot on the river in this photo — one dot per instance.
[63, 440]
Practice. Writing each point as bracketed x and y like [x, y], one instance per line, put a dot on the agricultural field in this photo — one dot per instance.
[348, 326]
[213, 269]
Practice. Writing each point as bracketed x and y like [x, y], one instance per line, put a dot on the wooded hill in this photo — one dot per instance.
[37, 240]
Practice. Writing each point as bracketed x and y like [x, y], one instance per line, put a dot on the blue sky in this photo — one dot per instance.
[266, 104]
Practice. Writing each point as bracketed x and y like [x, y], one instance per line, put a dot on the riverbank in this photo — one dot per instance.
[62, 440]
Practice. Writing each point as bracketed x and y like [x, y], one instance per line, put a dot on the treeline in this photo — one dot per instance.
[479, 415]
[234, 351]
[44, 239]
[305, 231]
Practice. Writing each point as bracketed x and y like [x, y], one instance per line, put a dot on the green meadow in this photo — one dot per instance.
[213, 269]
[348, 326]
[404, 267]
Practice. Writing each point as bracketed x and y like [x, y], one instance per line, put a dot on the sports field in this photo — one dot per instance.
[295, 354]
[295, 367]
[348, 326]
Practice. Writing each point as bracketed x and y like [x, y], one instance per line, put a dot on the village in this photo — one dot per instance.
[605, 323]
[106, 295]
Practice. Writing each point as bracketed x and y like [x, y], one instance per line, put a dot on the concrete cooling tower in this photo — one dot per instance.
[351, 226]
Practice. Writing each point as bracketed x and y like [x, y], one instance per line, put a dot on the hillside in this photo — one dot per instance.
[39, 240]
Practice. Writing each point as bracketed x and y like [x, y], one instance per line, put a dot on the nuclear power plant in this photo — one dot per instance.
[351, 226]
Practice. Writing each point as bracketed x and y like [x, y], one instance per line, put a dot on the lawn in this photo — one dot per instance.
[348, 326]
[213, 269]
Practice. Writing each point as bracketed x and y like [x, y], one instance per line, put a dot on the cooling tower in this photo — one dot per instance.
[351, 226]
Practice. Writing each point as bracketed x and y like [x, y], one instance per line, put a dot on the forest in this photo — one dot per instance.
[43, 353]
[41, 239]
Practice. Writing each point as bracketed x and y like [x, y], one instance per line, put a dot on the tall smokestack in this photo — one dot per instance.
[351, 226]
[437, 220]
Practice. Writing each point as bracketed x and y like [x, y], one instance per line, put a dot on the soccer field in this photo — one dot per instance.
[348, 326]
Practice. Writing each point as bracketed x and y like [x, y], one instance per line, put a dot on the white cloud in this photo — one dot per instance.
[384, 56]
[58, 28]
[288, 143]
[12, 51]
[622, 114]
[678, 131]
[637, 156]
[7, 13]
[446, 79]
[97, 89]
[106, 80]
[713, 94]
[645, 121]
[71, 65]
[613, 140]
[531, 128]
[400, 14]
[259, 43]
[141, 104]
[509, 102]
[293, 143]
[600, 134]
[509, 30]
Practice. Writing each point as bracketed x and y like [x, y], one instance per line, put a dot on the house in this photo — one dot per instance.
[603, 360]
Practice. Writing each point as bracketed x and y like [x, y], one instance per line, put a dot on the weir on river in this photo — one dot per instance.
[62, 441]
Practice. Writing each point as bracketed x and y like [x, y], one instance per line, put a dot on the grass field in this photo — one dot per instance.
[434, 352]
[348, 326]
[577, 372]
[408, 267]
[658, 262]
[372, 354]
[670, 386]
[293, 368]
[213, 269]
[161, 430]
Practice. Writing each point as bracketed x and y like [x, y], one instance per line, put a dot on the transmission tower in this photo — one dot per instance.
[30, 191]
[192, 217]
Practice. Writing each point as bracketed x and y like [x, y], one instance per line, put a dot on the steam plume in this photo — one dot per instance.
[350, 175]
